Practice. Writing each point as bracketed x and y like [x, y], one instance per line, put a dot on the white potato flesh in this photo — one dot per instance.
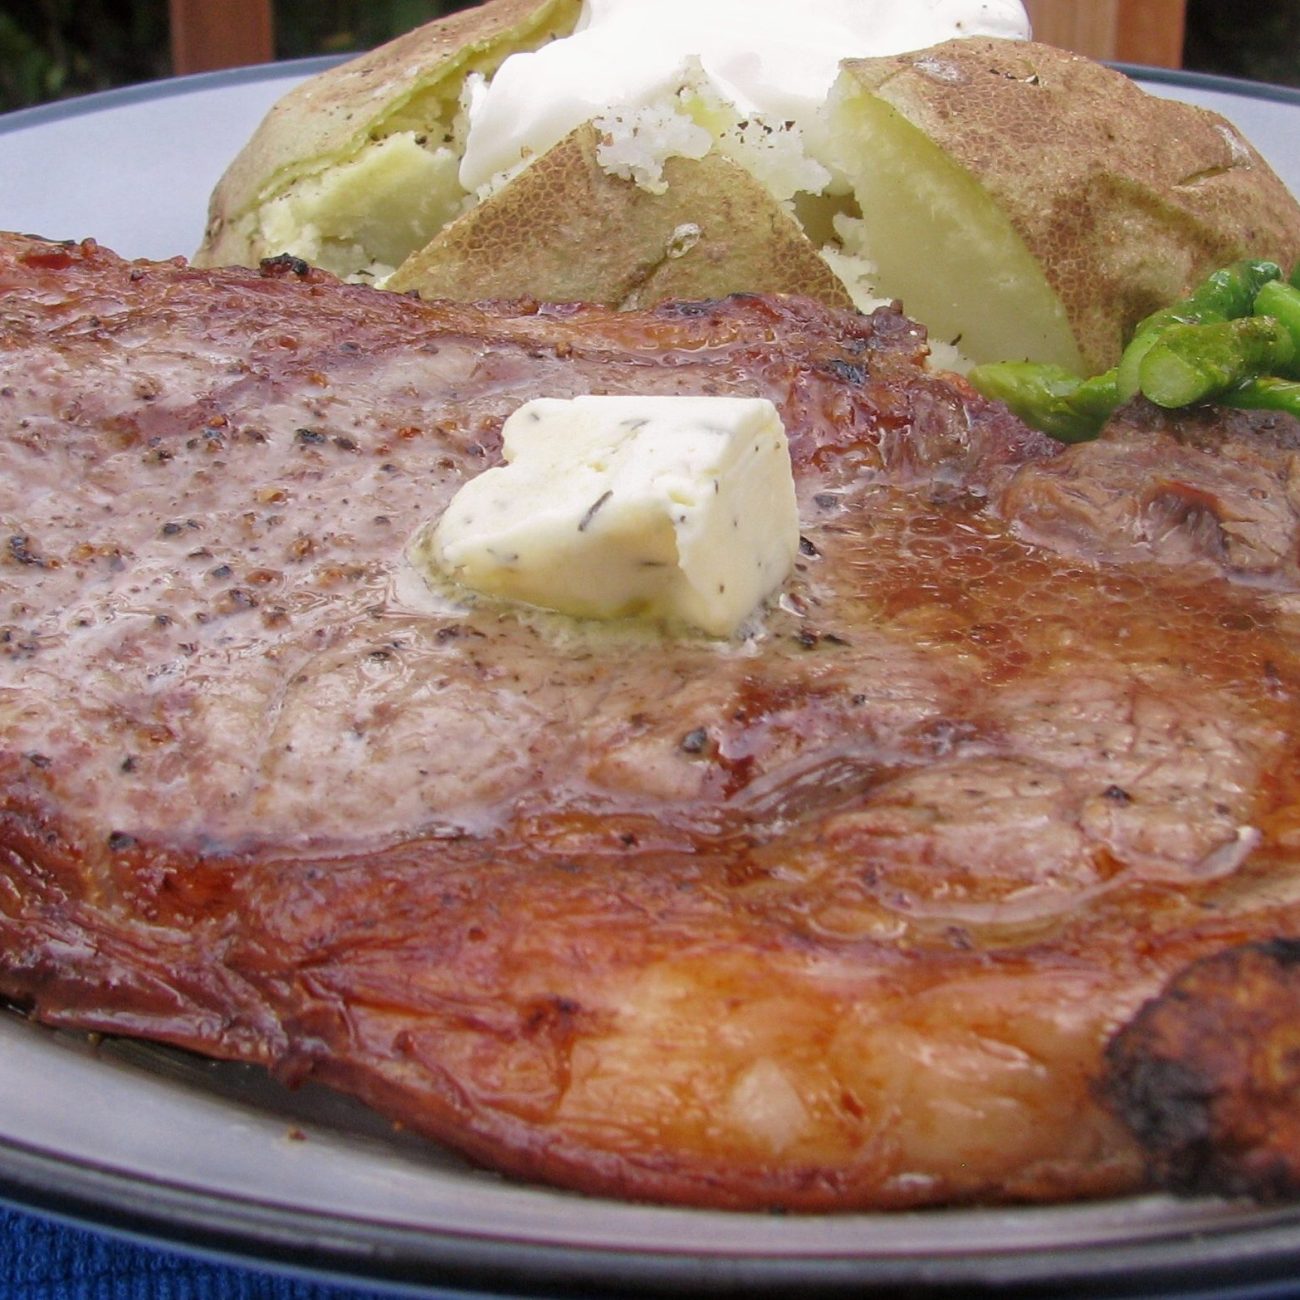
[939, 242]
[366, 216]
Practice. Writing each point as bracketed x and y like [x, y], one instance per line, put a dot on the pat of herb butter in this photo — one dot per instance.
[676, 509]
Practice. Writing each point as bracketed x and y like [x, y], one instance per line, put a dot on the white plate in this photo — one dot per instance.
[133, 168]
[155, 1142]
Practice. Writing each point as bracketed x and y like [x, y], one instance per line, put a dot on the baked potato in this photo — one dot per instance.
[1040, 203]
[356, 167]
[1020, 200]
[713, 230]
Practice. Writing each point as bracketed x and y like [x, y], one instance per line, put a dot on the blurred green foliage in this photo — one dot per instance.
[50, 49]
[1258, 41]
[305, 27]
[53, 48]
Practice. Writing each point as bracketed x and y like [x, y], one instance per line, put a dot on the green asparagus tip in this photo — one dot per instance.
[1049, 398]
[1193, 363]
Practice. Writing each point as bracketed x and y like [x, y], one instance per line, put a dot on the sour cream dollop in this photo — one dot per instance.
[771, 58]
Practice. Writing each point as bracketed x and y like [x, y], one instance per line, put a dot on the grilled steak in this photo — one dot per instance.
[844, 913]
[1208, 1073]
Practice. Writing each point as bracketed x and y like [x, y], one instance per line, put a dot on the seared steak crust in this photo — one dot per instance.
[1208, 1073]
[841, 914]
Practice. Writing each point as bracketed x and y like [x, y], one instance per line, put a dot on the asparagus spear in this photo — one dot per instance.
[1224, 294]
[1266, 393]
[1073, 409]
[1281, 301]
[1049, 397]
[1189, 363]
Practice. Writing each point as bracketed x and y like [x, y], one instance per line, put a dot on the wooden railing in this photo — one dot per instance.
[207, 34]
[1132, 31]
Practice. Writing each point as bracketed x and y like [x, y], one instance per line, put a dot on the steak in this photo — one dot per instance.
[880, 905]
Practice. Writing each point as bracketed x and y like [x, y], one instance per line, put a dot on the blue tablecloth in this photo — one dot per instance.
[44, 1260]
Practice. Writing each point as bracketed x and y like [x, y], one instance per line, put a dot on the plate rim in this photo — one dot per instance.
[245, 1231]
[332, 1247]
[98, 101]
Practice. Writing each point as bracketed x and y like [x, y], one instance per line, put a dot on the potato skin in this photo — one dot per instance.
[1125, 199]
[565, 230]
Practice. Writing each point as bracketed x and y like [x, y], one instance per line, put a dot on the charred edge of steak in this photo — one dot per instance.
[285, 264]
[1207, 1075]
